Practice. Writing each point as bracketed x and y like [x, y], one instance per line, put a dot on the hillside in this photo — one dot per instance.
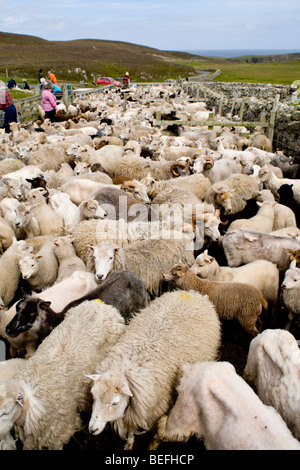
[267, 58]
[25, 55]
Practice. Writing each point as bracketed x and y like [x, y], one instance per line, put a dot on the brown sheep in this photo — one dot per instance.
[232, 300]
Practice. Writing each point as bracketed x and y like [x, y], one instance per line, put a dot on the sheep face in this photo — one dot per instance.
[92, 210]
[102, 260]
[292, 277]
[28, 266]
[29, 314]
[203, 263]
[137, 189]
[176, 273]
[111, 395]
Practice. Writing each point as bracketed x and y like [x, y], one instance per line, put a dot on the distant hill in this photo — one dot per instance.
[267, 58]
[71, 60]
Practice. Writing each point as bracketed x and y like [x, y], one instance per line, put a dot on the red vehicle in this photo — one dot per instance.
[107, 81]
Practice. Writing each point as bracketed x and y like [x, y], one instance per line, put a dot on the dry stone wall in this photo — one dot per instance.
[257, 98]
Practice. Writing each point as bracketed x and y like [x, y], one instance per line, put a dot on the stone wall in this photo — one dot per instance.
[257, 98]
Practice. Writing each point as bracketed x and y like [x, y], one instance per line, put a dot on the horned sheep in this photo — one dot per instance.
[138, 376]
[216, 405]
[46, 396]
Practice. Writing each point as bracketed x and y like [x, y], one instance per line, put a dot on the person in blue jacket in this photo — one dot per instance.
[11, 84]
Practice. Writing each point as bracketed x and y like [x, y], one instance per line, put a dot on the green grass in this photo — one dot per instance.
[283, 73]
[24, 55]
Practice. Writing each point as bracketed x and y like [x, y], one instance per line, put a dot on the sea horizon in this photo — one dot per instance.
[229, 53]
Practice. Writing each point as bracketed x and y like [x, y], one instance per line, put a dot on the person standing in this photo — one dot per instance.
[7, 105]
[49, 101]
[126, 80]
[52, 77]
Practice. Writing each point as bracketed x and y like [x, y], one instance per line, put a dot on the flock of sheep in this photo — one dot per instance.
[130, 254]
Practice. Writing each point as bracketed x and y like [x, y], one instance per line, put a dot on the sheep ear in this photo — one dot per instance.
[92, 376]
[90, 247]
[20, 399]
[293, 264]
[126, 390]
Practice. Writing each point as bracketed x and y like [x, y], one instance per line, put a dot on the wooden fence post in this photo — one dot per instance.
[210, 118]
[272, 118]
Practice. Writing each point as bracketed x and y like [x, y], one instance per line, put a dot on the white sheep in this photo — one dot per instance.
[220, 408]
[148, 258]
[46, 396]
[273, 368]
[291, 291]
[134, 385]
[49, 221]
[68, 261]
[263, 221]
[40, 270]
[272, 182]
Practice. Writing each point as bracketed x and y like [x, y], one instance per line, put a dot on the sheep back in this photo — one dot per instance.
[54, 373]
[175, 328]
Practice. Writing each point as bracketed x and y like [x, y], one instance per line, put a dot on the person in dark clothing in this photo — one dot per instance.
[11, 84]
[40, 76]
[25, 85]
[7, 105]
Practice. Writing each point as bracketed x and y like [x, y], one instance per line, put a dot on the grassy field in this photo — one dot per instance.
[23, 56]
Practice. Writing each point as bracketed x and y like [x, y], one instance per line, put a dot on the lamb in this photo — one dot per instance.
[261, 274]
[220, 408]
[232, 300]
[147, 258]
[244, 246]
[139, 373]
[46, 397]
[272, 182]
[40, 270]
[10, 187]
[290, 292]
[273, 369]
[68, 261]
[49, 221]
[263, 221]
[26, 225]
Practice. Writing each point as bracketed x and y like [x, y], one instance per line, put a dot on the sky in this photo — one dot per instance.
[162, 24]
